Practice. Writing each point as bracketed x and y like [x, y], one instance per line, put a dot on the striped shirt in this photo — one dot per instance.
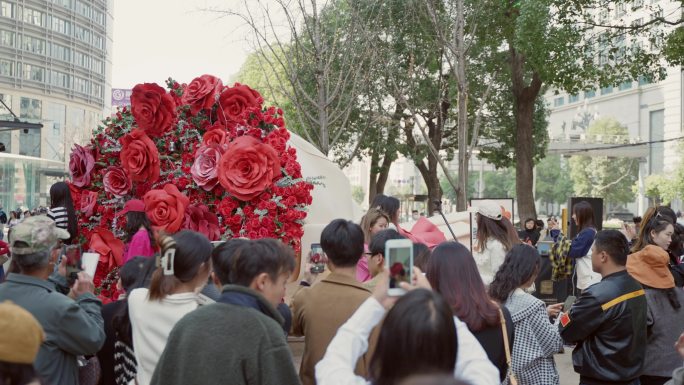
[60, 216]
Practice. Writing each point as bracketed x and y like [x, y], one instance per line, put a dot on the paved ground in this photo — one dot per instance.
[563, 361]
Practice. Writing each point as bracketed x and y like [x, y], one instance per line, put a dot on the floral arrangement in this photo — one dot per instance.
[201, 156]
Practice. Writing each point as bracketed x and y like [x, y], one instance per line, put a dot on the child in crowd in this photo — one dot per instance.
[139, 234]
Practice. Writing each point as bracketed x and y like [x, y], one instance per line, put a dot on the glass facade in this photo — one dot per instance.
[25, 182]
[55, 60]
[63, 47]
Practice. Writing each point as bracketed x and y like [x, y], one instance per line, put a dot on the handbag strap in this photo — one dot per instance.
[504, 329]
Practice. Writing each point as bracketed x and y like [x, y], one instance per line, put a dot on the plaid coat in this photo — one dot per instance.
[561, 264]
[536, 341]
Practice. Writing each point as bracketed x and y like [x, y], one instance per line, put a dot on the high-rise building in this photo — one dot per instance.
[651, 111]
[55, 69]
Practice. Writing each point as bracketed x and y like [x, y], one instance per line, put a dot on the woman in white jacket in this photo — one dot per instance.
[495, 237]
[403, 349]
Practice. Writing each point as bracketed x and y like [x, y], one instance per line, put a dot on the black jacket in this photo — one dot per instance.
[608, 323]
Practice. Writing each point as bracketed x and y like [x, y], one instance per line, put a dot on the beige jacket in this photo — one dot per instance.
[317, 313]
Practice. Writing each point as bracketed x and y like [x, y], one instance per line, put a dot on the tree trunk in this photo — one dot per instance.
[380, 172]
[462, 80]
[524, 96]
[524, 162]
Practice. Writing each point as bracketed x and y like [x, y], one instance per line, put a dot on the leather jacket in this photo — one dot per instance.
[608, 323]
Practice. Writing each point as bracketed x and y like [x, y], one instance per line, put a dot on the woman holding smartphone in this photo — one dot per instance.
[536, 339]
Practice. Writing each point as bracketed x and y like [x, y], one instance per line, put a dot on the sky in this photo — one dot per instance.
[155, 39]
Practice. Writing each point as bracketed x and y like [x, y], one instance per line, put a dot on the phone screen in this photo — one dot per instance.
[399, 263]
[73, 256]
[317, 258]
[568, 303]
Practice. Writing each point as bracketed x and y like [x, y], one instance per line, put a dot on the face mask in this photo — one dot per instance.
[531, 289]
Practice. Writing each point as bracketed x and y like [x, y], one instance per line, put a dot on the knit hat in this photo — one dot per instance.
[649, 266]
[20, 334]
[38, 233]
[488, 209]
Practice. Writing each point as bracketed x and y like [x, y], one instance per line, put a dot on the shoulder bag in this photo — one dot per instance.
[512, 379]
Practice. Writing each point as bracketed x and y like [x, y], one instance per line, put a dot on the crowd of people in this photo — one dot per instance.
[198, 313]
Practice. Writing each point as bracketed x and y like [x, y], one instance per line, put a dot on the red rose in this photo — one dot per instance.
[235, 100]
[215, 136]
[200, 219]
[205, 169]
[248, 167]
[226, 207]
[81, 164]
[154, 110]
[166, 208]
[139, 156]
[201, 93]
[116, 181]
[88, 201]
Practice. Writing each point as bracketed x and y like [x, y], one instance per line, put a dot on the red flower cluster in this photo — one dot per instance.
[202, 156]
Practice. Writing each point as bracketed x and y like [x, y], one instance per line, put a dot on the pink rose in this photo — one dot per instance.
[88, 201]
[81, 164]
[200, 219]
[116, 181]
[201, 93]
[205, 169]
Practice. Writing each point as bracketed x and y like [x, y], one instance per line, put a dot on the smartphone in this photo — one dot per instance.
[568, 303]
[72, 253]
[317, 258]
[399, 263]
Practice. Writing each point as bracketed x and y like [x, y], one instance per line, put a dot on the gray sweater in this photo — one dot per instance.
[665, 324]
[239, 341]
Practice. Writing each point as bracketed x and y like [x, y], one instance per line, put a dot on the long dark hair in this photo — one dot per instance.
[497, 229]
[60, 196]
[520, 265]
[192, 249]
[452, 272]
[418, 336]
[135, 220]
[656, 223]
[18, 374]
[584, 214]
[390, 205]
[677, 245]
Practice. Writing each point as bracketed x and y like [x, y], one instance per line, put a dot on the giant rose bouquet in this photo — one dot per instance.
[202, 156]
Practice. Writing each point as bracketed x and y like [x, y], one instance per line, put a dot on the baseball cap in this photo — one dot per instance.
[37, 233]
[20, 334]
[488, 209]
[133, 206]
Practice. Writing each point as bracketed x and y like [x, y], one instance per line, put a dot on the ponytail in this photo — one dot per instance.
[181, 257]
